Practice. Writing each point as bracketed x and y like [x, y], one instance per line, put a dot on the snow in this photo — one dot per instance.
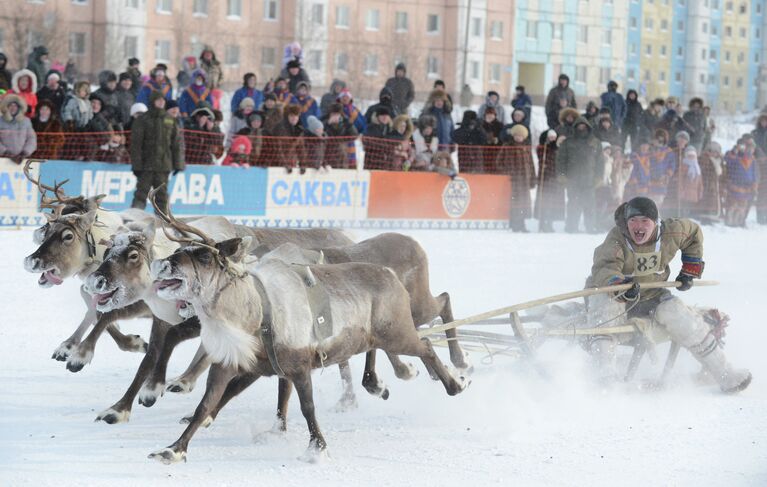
[511, 426]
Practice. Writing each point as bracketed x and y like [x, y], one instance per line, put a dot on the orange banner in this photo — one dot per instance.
[417, 195]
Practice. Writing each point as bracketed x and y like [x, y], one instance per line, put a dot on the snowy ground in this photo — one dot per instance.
[510, 427]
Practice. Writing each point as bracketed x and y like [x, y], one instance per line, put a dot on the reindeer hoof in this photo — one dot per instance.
[168, 456]
[408, 372]
[315, 453]
[180, 386]
[461, 384]
[346, 403]
[79, 359]
[112, 416]
[134, 343]
[464, 365]
[149, 395]
[62, 352]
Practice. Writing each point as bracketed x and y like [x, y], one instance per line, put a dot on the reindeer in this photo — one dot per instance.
[255, 321]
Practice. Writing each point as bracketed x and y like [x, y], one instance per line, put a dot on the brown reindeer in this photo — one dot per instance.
[255, 322]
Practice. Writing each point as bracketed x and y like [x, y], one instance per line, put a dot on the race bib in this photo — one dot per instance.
[647, 263]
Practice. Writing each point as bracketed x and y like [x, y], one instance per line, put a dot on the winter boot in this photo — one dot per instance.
[711, 356]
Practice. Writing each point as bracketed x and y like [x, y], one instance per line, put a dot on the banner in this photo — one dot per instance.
[467, 201]
[199, 190]
[18, 196]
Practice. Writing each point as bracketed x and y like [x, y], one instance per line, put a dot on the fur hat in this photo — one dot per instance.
[124, 76]
[383, 110]
[682, 134]
[292, 109]
[12, 98]
[408, 125]
[565, 112]
[137, 108]
[171, 104]
[519, 130]
[294, 63]
[20, 74]
[640, 206]
[427, 121]
[313, 124]
[247, 102]
[204, 110]
[255, 115]
[661, 133]
[305, 84]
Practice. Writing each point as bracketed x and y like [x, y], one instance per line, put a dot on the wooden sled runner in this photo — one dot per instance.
[529, 333]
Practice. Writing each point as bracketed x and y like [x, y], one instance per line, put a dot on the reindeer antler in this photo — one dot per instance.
[183, 228]
[58, 192]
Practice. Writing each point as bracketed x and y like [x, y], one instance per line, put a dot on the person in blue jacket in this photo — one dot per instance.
[157, 82]
[194, 94]
[522, 101]
[614, 101]
[248, 90]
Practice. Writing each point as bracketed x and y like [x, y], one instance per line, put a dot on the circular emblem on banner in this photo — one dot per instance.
[456, 197]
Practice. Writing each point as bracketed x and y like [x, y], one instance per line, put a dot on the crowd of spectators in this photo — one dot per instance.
[587, 162]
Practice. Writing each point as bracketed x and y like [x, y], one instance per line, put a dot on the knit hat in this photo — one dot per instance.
[383, 111]
[293, 64]
[137, 108]
[344, 92]
[124, 76]
[171, 104]
[247, 102]
[683, 135]
[270, 96]
[133, 61]
[641, 206]
[605, 145]
[255, 115]
[53, 74]
[519, 130]
[313, 124]
[292, 109]
[204, 111]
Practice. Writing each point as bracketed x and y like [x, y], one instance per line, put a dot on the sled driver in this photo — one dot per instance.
[638, 250]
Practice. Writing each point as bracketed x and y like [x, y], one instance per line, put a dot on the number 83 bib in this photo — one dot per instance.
[647, 263]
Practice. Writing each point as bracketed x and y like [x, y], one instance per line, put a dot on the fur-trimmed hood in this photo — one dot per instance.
[18, 75]
[563, 114]
[409, 125]
[7, 100]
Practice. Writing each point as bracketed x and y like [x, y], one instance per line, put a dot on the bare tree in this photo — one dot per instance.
[28, 26]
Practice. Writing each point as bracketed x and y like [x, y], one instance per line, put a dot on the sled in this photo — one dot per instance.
[528, 332]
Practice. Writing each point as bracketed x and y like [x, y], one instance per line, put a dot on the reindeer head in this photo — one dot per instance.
[123, 276]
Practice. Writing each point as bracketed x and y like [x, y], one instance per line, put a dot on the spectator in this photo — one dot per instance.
[553, 101]
[135, 75]
[492, 127]
[174, 112]
[379, 152]
[53, 91]
[519, 117]
[652, 115]
[403, 91]
[38, 63]
[70, 73]
[676, 193]
[696, 122]
[283, 94]
[125, 98]
[351, 112]
[567, 119]
[330, 97]
[340, 153]
[308, 104]
[240, 153]
[255, 133]
[672, 123]
[155, 151]
[290, 152]
[492, 100]
[24, 84]
[440, 85]
[469, 137]
[272, 113]
[77, 111]
[184, 76]
[437, 107]
[522, 101]
[384, 100]
[709, 126]
[580, 166]
[248, 90]
[157, 82]
[296, 75]
[107, 91]
[605, 131]
[239, 120]
[662, 164]
[17, 138]
[403, 152]
[425, 141]
[5, 74]
[591, 113]
[742, 178]
[315, 142]
[203, 140]
[633, 120]
[614, 101]
[467, 97]
[48, 128]
[760, 139]
[99, 129]
[640, 180]
[292, 52]
[517, 161]
[196, 94]
[214, 75]
[383, 128]
[709, 208]
[550, 198]
[136, 110]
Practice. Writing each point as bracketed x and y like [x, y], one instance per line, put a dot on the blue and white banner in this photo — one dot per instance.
[18, 196]
[199, 190]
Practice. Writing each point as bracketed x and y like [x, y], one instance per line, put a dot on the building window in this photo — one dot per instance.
[232, 55]
[432, 66]
[496, 30]
[742, 32]
[743, 9]
[342, 16]
[604, 75]
[373, 19]
[726, 81]
[432, 24]
[370, 64]
[200, 7]
[702, 79]
[476, 27]
[756, 57]
[557, 30]
[703, 54]
[495, 73]
[663, 50]
[583, 34]
[741, 58]
[704, 26]
[77, 44]
[679, 51]
[130, 46]
[607, 37]
[664, 25]
[131, 3]
[268, 55]
[474, 70]
[678, 77]
[728, 7]
[727, 31]
[758, 33]
[711, 79]
[630, 74]
[400, 22]
[164, 6]
[758, 8]
[271, 9]
[342, 61]
[234, 8]
[580, 74]
[314, 59]
[633, 49]
[647, 75]
[661, 77]
[531, 29]
[727, 56]
[318, 14]
[161, 51]
[648, 24]
[714, 31]
[739, 83]
[648, 50]
[633, 22]
[712, 55]
[680, 26]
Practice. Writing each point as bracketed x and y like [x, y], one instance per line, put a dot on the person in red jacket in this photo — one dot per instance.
[24, 84]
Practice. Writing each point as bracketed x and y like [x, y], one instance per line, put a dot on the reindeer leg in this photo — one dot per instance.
[402, 370]
[155, 384]
[62, 352]
[218, 379]
[127, 343]
[422, 348]
[284, 389]
[317, 444]
[185, 382]
[458, 357]
[348, 399]
[370, 380]
[120, 411]
[233, 389]
[83, 353]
